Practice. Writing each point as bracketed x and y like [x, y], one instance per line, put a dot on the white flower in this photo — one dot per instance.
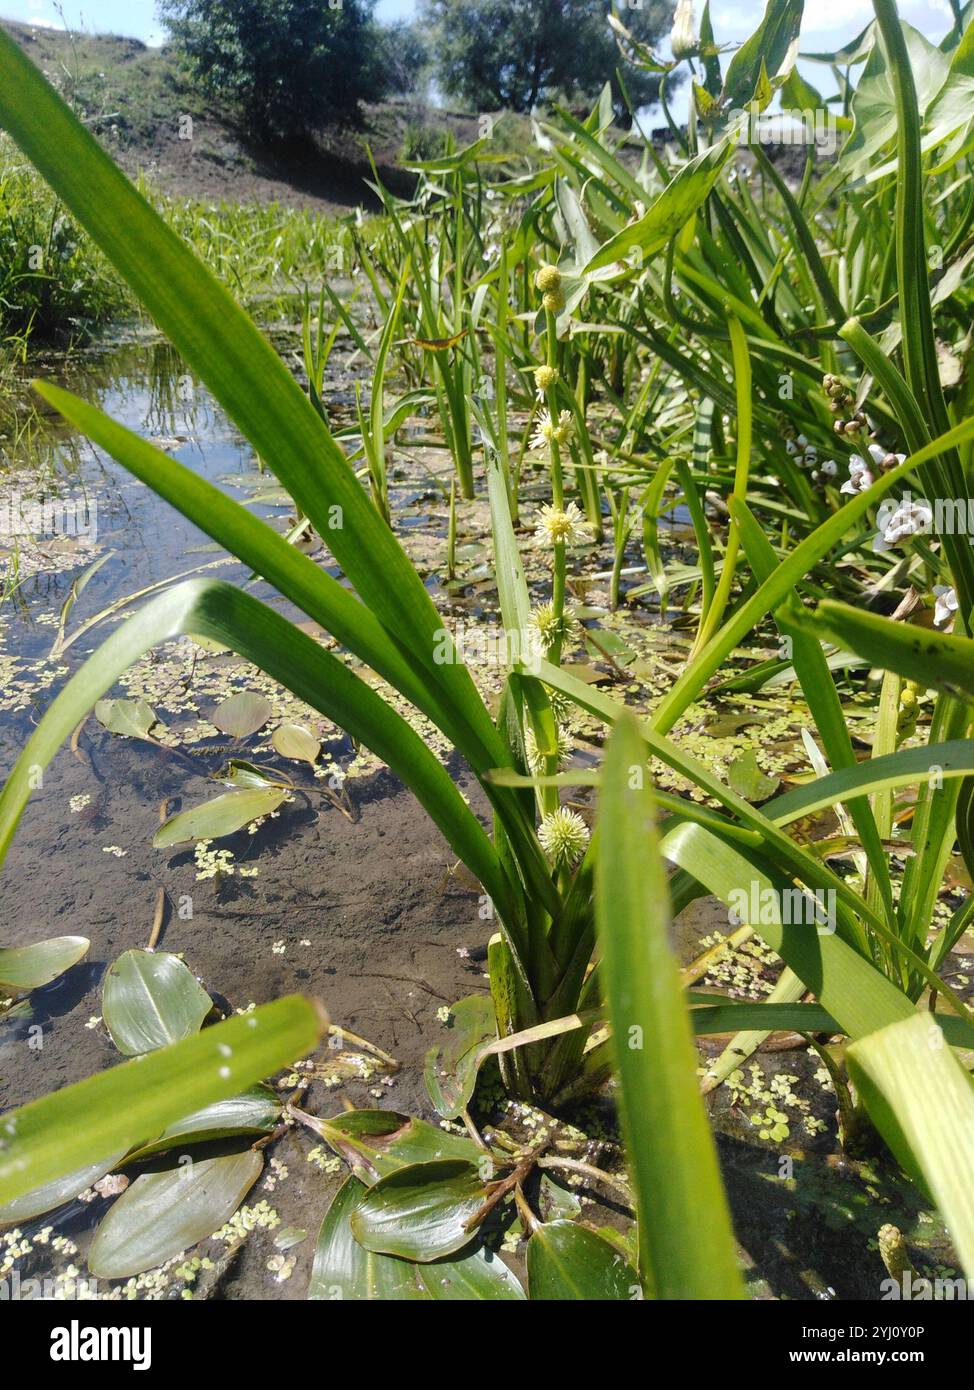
[554, 526]
[548, 431]
[884, 461]
[683, 41]
[804, 454]
[945, 607]
[909, 519]
[563, 835]
[859, 478]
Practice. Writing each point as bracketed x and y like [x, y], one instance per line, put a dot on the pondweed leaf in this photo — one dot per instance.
[421, 1212]
[343, 1269]
[23, 968]
[224, 815]
[151, 999]
[130, 718]
[451, 1065]
[162, 1214]
[375, 1143]
[567, 1261]
[242, 714]
[295, 741]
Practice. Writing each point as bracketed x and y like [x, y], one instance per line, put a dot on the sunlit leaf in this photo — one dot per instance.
[151, 999]
[162, 1214]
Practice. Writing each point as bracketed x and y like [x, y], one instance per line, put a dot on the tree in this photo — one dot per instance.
[515, 53]
[289, 66]
[404, 55]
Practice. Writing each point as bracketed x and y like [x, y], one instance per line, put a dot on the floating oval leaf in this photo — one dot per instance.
[151, 999]
[747, 779]
[23, 968]
[377, 1142]
[224, 815]
[420, 1212]
[163, 1214]
[129, 718]
[256, 1111]
[295, 741]
[343, 1269]
[56, 1193]
[567, 1261]
[242, 714]
[451, 1066]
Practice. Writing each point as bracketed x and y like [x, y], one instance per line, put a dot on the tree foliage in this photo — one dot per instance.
[288, 66]
[506, 53]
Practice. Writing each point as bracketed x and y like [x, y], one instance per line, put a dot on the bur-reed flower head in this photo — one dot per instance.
[547, 278]
[544, 378]
[556, 526]
[538, 760]
[564, 836]
[549, 628]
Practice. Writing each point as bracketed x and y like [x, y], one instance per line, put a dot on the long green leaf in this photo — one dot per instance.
[686, 1242]
[922, 1102]
[123, 1107]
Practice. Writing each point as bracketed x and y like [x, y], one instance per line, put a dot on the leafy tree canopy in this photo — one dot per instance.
[289, 66]
[516, 53]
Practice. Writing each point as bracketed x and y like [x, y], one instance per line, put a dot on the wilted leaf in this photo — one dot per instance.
[151, 999]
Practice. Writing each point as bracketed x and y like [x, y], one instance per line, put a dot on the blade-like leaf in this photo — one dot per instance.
[922, 1102]
[686, 1242]
[122, 1108]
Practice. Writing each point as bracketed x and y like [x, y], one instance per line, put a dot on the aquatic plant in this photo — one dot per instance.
[691, 389]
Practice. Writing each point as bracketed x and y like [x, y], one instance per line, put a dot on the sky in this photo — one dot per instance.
[827, 23]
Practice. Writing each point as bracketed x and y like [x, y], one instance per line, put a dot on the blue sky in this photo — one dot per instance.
[827, 24]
